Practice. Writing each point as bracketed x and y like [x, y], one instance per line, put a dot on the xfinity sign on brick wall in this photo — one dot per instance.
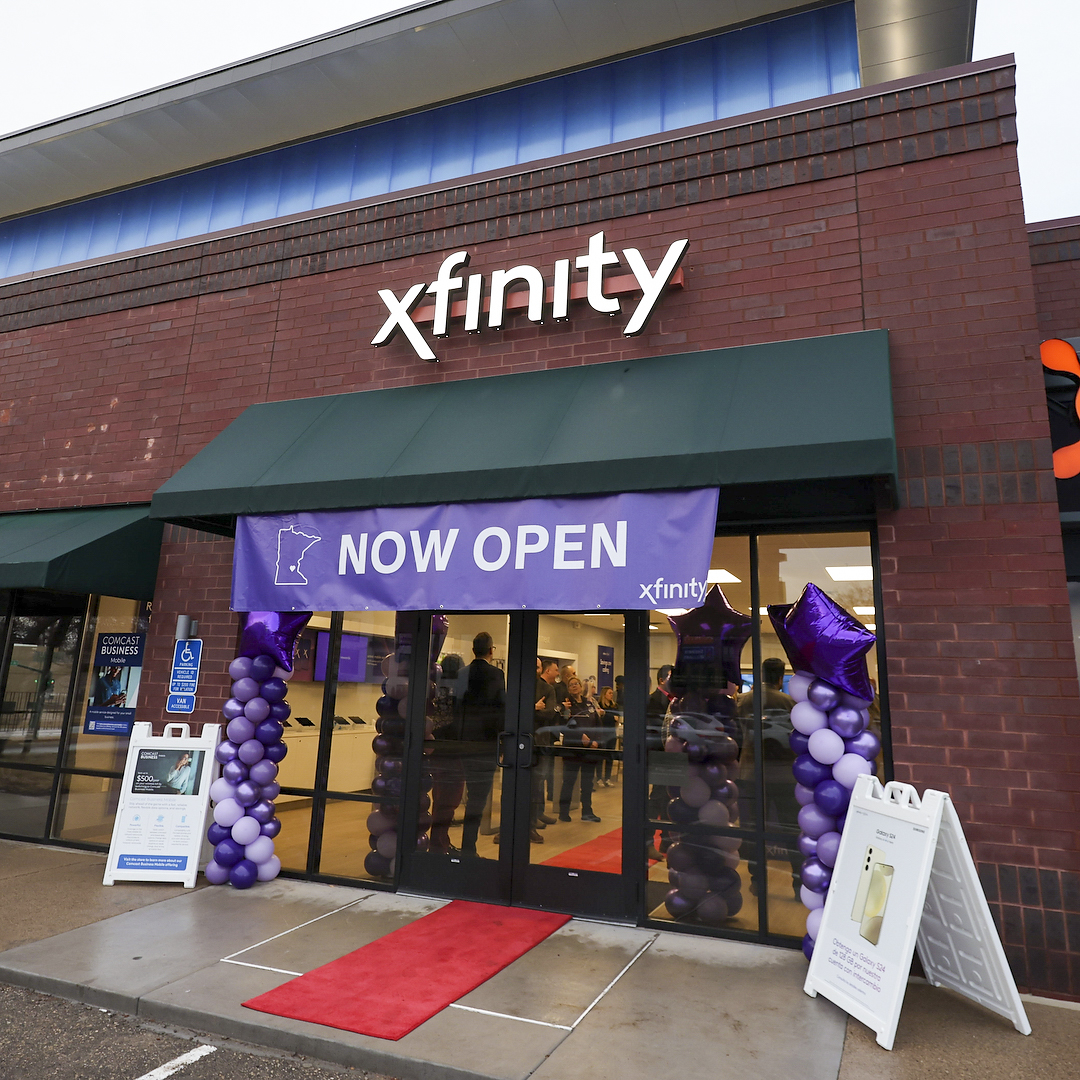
[534, 300]
[621, 552]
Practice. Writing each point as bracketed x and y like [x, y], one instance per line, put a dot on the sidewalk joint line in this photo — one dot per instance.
[508, 1016]
[601, 995]
[261, 967]
[177, 1063]
[248, 948]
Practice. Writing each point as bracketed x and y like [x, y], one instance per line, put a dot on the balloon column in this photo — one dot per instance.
[703, 863]
[244, 823]
[389, 746]
[832, 739]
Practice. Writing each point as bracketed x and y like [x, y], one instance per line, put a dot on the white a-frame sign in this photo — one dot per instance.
[904, 877]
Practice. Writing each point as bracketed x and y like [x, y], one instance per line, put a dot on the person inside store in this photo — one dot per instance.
[655, 711]
[562, 691]
[781, 810]
[580, 733]
[545, 730]
[447, 768]
[609, 721]
[619, 690]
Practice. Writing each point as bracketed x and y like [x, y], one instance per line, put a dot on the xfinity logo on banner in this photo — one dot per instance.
[615, 552]
[404, 315]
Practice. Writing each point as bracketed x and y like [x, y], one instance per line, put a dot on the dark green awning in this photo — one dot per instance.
[791, 411]
[111, 550]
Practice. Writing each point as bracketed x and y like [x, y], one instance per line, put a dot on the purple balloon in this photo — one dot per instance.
[808, 845]
[832, 797]
[713, 910]
[262, 811]
[808, 946]
[680, 857]
[809, 772]
[216, 833]
[376, 865]
[259, 850]
[808, 718]
[856, 702]
[262, 668]
[228, 852]
[245, 689]
[271, 791]
[846, 721]
[823, 695]
[718, 621]
[276, 751]
[715, 774]
[244, 874]
[221, 789]
[250, 751]
[828, 845]
[240, 730]
[734, 900]
[680, 813]
[274, 634]
[840, 823]
[247, 793]
[271, 828]
[235, 771]
[268, 732]
[263, 772]
[798, 742]
[866, 744]
[826, 746]
[677, 904]
[257, 709]
[814, 821]
[280, 710]
[810, 899]
[240, 668]
[215, 873]
[849, 768]
[246, 831]
[226, 750]
[232, 709]
[815, 875]
[813, 923]
[270, 869]
[228, 813]
[804, 795]
[274, 689]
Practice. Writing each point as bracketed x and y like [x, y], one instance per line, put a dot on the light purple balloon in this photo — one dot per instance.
[270, 869]
[215, 873]
[264, 771]
[240, 730]
[804, 795]
[695, 792]
[281, 673]
[813, 921]
[257, 709]
[232, 709]
[378, 823]
[259, 850]
[715, 813]
[849, 768]
[799, 686]
[246, 831]
[810, 899]
[227, 813]
[270, 791]
[846, 721]
[828, 845]
[866, 744]
[826, 746]
[247, 793]
[807, 719]
[226, 751]
[386, 845]
[240, 668]
[245, 689]
[251, 750]
[814, 822]
[221, 789]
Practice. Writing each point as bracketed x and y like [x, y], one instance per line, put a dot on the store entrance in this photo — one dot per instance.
[519, 777]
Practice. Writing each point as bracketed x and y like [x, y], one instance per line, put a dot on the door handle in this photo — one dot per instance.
[500, 757]
[525, 752]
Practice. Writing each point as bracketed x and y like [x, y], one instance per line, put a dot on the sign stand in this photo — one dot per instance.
[904, 878]
[161, 817]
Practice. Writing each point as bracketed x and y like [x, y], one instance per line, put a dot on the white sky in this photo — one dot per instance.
[62, 56]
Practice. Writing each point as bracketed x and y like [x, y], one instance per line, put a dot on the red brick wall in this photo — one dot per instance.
[1055, 259]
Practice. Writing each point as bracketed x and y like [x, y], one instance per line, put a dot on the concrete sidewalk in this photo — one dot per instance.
[592, 1000]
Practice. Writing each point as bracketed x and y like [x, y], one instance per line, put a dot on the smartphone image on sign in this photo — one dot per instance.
[872, 894]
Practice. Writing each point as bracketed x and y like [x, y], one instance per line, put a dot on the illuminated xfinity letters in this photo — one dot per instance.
[532, 293]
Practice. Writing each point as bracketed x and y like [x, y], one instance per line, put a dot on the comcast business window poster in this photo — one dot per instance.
[115, 678]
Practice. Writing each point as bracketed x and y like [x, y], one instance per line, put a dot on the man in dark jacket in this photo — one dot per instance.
[483, 711]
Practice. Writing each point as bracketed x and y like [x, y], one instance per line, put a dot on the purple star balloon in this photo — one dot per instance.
[272, 633]
[818, 635]
[718, 626]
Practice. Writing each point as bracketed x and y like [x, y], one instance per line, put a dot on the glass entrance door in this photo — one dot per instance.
[519, 775]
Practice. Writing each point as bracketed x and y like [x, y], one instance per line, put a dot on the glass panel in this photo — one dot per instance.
[465, 717]
[112, 615]
[578, 733]
[24, 801]
[699, 770]
[841, 565]
[346, 841]
[45, 633]
[86, 809]
[291, 844]
[297, 768]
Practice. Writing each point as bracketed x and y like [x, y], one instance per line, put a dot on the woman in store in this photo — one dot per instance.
[609, 721]
[581, 730]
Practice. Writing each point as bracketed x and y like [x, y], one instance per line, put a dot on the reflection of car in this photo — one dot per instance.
[775, 730]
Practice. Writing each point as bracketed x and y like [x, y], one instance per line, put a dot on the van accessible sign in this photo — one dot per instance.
[635, 550]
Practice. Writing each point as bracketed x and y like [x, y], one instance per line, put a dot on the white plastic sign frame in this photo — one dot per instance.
[904, 878]
[161, 817]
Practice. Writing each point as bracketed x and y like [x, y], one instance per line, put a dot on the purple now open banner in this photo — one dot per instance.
[637, 550]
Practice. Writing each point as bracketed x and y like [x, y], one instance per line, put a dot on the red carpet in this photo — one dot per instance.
[393, 985]
[603, 854]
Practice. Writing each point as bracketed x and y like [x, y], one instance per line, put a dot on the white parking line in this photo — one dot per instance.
[260, 967]
[326, 915]
[599, 997]
[508, 1016]
[178, 1063]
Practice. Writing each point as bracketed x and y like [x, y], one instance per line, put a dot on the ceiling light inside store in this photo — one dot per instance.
[717, 577]
[863, 610]
[671, 610]
[653, 626]
[871, 627]
[850, 573]
[763, 611]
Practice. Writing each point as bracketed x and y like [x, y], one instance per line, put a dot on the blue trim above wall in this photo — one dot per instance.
[771, 64]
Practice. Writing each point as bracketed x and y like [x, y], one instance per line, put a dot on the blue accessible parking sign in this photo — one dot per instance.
[184, 680]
